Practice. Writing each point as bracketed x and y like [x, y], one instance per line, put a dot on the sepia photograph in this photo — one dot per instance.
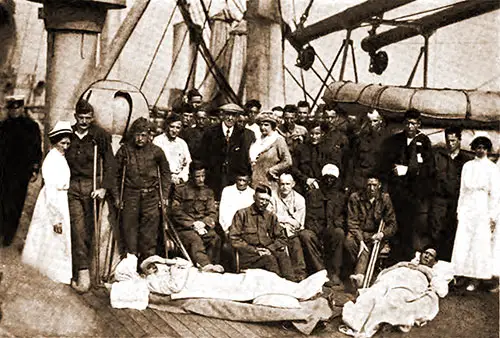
[250, 168]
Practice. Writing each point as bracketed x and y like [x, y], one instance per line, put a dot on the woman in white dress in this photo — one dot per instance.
[48, 243]
[476, 242]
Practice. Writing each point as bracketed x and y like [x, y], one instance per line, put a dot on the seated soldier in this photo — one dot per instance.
[323, 237]
[365, 211]
[257, 235]
[194, 216]
[290, 207]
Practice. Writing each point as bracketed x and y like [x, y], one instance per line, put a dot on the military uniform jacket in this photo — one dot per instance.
[192, 203]
[325, 209]
[251, 229]
[363, 217]
[80, 157]
[142, 167]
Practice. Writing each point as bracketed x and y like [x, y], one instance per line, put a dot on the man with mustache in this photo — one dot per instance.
[81, 194]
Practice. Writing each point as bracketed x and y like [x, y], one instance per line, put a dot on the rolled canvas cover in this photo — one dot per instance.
[433, 103]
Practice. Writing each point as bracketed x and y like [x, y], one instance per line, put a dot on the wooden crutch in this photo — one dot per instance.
[373, 258]
[96, 218]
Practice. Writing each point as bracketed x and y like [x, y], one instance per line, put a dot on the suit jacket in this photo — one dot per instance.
[222, 160]
[418, 157]
[449, 172]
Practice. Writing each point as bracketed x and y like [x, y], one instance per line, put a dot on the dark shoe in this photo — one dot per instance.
[334, 280]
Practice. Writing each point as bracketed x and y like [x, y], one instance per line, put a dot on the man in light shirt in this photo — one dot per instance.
[290, 207]
[175, 149]
[235, 197]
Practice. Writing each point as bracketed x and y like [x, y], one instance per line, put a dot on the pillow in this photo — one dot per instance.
[277, 300]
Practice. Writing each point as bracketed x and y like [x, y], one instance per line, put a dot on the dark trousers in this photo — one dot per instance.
[140, 221]
[413, 221]
[81, 208]
[278, 262]
[443, 226]
[203, 249]
[297, 256]
[13, 195]
[326, 247]
[352, 246]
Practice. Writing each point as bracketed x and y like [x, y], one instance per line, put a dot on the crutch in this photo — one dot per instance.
[96, 219]
[373, 258]
[169, 231]
[117, 224]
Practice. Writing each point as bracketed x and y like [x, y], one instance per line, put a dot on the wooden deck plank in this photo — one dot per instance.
[143, 322]
[192, 325]
[113, 325]
[121, 315]
[258, 329]
[209, 326]
[226, 328]
[242, 328]
[176, 324]
[160, 324]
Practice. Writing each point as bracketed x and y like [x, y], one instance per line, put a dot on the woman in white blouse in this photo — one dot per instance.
[48, 243]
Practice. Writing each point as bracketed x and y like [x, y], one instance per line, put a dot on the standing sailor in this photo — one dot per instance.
[90, 143]
[20, 156]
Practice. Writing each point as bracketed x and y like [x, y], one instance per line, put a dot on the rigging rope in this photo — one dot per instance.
[305, 15]
[239, 6]
[216, 59]
[195, 59]
[207, 56]
[174, 61]
[158, 47]
[297, 82]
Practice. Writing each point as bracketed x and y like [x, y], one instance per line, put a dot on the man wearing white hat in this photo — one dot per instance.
[323, 238]
[224, 150]
[20, 157]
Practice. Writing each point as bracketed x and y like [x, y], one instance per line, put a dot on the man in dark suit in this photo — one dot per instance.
[443, 214]
[20, 157]
[408, 168]
[224, 150]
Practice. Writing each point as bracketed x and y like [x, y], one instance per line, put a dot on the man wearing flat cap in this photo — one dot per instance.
[224, 149]
[20, 156]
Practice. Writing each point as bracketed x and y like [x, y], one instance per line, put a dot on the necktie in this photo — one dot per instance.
[228, 136]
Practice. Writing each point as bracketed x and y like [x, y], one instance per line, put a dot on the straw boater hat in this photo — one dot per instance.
[151, 260]
[330, 169]
[61, 127]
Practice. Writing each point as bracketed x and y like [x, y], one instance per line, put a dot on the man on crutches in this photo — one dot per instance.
[89, 155]
[140, 215]
[365, 212]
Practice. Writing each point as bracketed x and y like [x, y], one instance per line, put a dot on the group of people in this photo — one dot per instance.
[282, 190]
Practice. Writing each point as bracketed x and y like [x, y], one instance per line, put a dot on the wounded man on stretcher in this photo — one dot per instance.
[402, 296]
[180, 280]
